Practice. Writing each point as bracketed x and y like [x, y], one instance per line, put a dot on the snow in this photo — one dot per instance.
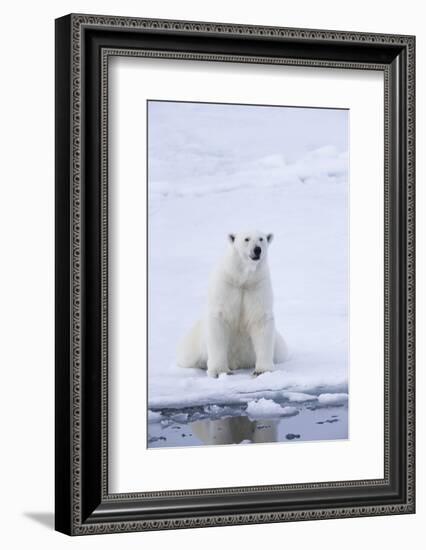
[213, 170]
[323, 164]
[332, 399]
[266, 408]
[154, 416]
[175, 387]
[295, 397]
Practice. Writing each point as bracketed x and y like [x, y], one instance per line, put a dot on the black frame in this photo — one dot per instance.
[83, 45]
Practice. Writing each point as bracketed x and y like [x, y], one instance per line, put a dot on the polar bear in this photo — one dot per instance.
[238, 328]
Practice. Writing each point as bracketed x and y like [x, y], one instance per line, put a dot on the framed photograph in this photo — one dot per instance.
[234, 274]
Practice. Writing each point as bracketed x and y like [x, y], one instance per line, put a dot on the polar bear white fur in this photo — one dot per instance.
[238, 328]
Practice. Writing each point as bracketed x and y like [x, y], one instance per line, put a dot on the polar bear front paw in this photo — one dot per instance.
[214, 372]
[262, 369]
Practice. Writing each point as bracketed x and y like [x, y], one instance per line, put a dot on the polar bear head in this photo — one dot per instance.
[251, 246]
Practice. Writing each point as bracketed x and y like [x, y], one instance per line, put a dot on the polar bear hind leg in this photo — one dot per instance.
[191, 351]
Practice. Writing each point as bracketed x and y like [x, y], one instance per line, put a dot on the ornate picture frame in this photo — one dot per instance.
[84, 45]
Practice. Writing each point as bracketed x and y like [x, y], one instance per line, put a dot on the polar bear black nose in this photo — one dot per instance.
[257, 250]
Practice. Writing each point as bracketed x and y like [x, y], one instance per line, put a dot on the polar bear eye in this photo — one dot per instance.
[261, 239]
[247, 239]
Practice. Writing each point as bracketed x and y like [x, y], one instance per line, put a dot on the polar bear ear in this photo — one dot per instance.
[269, 237]
[231, 237]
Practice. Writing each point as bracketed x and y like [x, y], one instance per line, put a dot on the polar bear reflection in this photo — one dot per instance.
[235, 429]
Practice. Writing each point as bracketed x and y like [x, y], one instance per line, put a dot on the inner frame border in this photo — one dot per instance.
[106, 54]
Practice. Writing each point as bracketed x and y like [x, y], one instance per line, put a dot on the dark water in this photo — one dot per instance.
[230, 425]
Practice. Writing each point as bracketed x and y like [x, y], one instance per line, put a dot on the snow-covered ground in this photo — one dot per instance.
[217, 169]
